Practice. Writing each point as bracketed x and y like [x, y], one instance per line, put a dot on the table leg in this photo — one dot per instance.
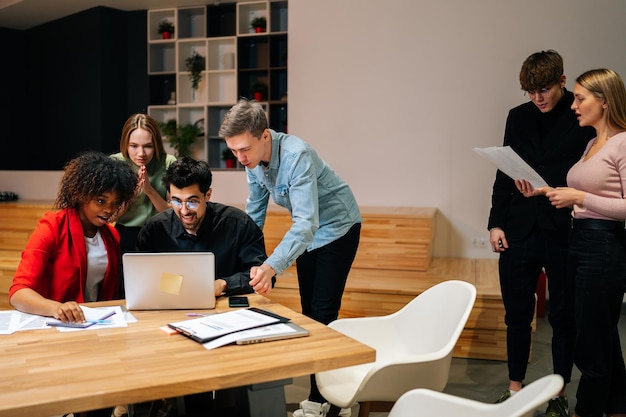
[257, 400]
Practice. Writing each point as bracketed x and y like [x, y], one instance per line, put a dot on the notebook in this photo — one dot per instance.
[168, 281]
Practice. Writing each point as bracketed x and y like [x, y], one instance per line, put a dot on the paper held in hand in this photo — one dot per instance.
[511, 164]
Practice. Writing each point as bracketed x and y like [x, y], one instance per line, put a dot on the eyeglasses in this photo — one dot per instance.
[545, 92]
[191, 205]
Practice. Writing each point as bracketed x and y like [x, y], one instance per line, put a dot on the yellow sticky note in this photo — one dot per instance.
[171, 283]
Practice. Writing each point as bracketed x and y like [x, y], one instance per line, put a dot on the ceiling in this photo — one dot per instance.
[25, 14]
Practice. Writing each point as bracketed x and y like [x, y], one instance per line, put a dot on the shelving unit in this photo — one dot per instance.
[235, 58]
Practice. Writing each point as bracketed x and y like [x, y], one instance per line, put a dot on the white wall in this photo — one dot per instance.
[395, 94]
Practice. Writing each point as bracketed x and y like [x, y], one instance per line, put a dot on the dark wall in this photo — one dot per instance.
[13, 85]
[83, 75]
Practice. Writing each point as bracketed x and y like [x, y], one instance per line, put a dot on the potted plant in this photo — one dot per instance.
[166, 29]
[195, 64]
[259, 90]
[180, 137]
[259, 24]
[229, 158]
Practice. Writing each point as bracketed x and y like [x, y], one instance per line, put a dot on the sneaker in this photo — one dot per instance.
[558, 407]
[311, 409]
[345, 412]
[504, 397]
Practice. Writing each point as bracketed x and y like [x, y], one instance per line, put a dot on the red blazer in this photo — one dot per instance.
[54, 262]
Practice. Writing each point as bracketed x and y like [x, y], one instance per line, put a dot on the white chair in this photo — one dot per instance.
[426, 403]
[413, 348]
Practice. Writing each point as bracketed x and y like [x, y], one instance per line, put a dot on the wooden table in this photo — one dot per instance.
[47, 372]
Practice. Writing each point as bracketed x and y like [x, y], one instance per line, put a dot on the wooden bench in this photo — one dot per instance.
[17, 221]
[393, 265]
[375, 293]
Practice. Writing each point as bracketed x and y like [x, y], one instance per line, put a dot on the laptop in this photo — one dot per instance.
[271, 332]
[169, 280]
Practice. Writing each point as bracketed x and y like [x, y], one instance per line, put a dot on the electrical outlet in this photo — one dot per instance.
[479, 242]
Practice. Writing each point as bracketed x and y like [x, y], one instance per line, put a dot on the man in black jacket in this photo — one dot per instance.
[529, 233]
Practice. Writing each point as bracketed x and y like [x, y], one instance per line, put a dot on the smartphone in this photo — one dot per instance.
[240, 301]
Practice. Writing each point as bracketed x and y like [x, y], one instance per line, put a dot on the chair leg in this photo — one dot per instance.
[364, 409]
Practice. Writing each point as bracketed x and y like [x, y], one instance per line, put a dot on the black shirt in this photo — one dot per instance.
[235, 240]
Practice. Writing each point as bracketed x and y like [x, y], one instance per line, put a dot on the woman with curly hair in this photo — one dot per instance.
[73, 255]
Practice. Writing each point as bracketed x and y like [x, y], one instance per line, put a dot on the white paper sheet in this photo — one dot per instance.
[507, 161]
[265, 331]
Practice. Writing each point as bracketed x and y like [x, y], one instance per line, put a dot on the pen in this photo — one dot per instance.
[100, 321]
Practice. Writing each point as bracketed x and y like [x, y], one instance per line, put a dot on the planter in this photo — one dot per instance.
[258, 96]
[166, 35]
[259, 29]
[230, 163]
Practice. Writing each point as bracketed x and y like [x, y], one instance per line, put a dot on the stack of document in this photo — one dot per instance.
[96, 318]
[245, 326]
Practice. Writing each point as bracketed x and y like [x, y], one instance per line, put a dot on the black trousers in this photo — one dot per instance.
[322, 275]
[519, 267]
[599, 260]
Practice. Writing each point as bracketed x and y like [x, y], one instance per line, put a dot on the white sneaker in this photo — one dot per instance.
[311, 409]
[345, 412]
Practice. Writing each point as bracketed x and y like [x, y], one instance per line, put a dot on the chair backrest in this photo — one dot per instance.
[413, 345]
[428, 403]
[532, 396]
[433, 321]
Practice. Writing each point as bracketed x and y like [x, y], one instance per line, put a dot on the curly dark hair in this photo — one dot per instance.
[92, 174]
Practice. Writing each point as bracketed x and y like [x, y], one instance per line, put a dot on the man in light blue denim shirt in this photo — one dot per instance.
[326, 227]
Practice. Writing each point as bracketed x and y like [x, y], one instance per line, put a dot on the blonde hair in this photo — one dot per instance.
[606, 85]
[145, 122]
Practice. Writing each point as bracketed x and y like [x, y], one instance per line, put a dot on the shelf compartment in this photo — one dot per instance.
[221, 20]
[216, 146]
[279, 16]
[278, 85]
[162, 57]
[216, 116]
[278, 117]
[162, 114]
[187, 48]
[247, 12]
[186, 95]
[222, 53]
[222, 87]
[191, 22]
[253, 53]
[192, 115]
[155, 17]
[161, 88]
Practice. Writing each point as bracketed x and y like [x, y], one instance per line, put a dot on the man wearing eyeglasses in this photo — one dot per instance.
[193, 223]
[530, 234]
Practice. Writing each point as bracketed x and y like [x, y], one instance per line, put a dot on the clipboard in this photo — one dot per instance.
[205, 329]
